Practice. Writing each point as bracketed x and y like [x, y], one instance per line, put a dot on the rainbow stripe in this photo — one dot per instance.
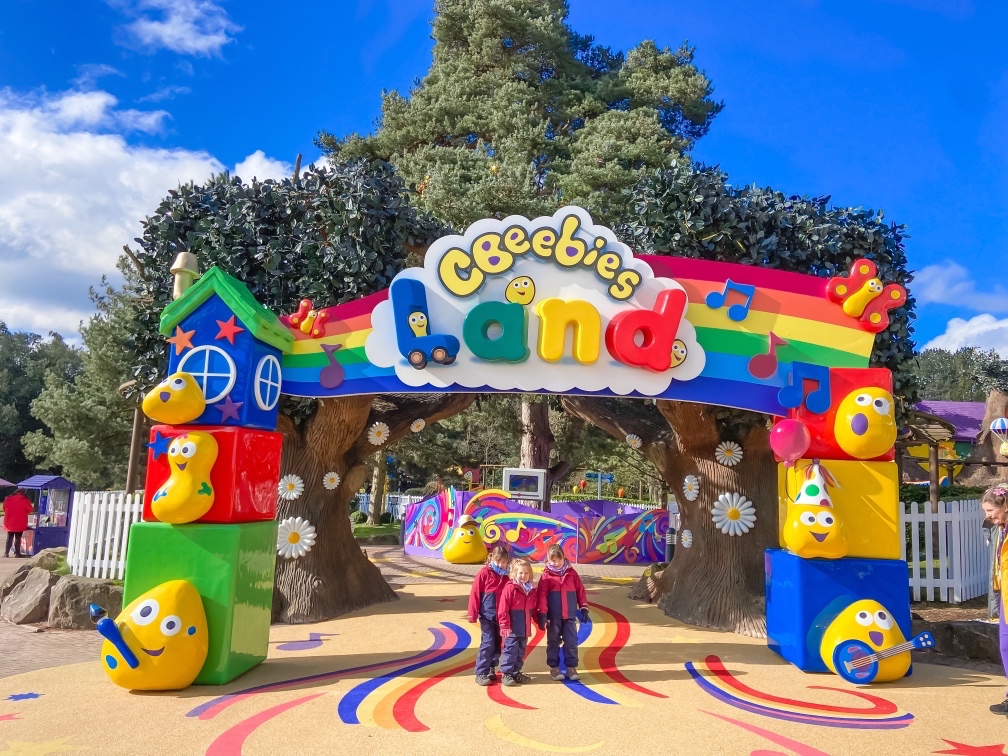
[714, 679]
[794, 306]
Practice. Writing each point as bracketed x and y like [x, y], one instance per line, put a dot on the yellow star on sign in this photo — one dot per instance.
[40, 749]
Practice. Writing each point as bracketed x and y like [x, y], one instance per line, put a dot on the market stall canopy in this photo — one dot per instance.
[4, 482]
[965, 417]
[45, 481]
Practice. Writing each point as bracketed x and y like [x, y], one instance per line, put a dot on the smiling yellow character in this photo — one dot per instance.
[177, 399]
[811, 531]
[465, 546]
[521, 290]
[188, 494]
[872, 624]
[418, 323]
[865, 424]
[159, 641]
[679, 352]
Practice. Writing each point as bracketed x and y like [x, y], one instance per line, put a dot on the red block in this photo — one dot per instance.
[843, 382]
[245, 475]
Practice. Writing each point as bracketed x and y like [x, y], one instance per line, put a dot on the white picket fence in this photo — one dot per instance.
[953, 567]
[99, 531]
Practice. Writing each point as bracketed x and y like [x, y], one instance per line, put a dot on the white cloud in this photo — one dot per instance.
[951, 284]
[984, 331]
[89, 73]
[165, 93]
[72, 192]
[190, 27]
[258, 165]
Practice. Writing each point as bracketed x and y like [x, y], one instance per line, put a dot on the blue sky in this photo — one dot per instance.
[104, 106]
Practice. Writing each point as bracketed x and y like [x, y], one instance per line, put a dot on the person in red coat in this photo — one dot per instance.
[483, 600]
[516, 613]
[562, 601]
[16, 509]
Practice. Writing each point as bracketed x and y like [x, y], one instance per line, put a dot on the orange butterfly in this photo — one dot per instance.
[862, 295]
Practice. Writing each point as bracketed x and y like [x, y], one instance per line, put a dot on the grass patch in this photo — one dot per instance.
[61, 568]
[367, 531]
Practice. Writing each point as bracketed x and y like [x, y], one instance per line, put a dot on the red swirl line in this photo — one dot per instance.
[607, 658]
[230, 742]
[404, 709]
[496, 692]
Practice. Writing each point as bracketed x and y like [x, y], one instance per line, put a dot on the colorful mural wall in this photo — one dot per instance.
[635, 536]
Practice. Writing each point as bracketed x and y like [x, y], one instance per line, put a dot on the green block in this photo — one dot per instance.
[231, 566]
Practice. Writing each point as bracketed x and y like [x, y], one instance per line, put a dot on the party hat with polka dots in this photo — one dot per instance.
[815, 487]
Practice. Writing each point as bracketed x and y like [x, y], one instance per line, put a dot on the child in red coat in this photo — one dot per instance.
[483, 601]
[516, 612]
[562, 601]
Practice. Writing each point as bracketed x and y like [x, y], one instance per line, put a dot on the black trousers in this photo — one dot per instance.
[15, 539]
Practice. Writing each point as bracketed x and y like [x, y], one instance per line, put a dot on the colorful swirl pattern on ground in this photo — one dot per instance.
[622, 539]
[496, 691]
[714, 679]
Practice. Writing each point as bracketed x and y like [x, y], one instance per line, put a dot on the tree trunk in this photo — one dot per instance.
[378, 488]
[988, 447]
[537, 439]
[336, 577]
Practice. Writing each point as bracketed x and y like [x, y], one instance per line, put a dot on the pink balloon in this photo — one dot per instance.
[790, 439]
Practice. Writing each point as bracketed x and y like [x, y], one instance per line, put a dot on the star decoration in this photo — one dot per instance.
[40, 749]
[228, 329]
[159, 445]
[23, 696]
[619, 510]
[229, 409]
[182, 339]
[967, 750]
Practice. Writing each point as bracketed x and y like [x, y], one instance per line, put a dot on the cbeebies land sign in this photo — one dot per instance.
[555, 304]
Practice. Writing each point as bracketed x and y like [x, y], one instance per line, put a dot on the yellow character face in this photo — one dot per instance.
[872, 624]
[866, 423]
[177, 399]
[465, 546]
[166, 629]
[188, 494]
[678, 352]
[811, 530]
[418, 323]
[520, 291]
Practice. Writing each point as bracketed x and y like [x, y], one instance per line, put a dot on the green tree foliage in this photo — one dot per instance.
[25, 361]
[520, 114]
[957, 376]
[88, 423]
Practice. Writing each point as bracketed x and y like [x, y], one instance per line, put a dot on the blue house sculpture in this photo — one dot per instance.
[218, 333]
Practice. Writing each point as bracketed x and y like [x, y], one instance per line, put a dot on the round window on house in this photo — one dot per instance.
[267, 383]
[212, 368]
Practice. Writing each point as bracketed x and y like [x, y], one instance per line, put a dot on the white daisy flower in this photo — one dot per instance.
[330, 481]
[634, 440]
[691, 487]
[295, 537]
[686, 539]
[733, 514]
[728, 453]
[291, 487]
[378, 434]
[418, 425]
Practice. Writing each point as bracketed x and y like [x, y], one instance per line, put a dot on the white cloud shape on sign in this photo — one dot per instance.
[446, 313]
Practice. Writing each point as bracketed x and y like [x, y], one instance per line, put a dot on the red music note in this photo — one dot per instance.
[332, 374]
[763, 366]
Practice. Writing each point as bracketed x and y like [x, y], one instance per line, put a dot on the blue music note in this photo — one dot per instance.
[817, 399]
[736, 312]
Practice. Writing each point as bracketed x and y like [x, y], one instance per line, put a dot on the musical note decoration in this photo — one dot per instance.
[512, 536]
[737, 312]
[611, 542]
[863, 296]
[332, 375]
[763, 366]
[313, 641]
[816, 399]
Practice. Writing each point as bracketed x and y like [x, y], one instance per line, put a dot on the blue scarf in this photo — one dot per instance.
[502, 571]
[527, 587]
[558, 570]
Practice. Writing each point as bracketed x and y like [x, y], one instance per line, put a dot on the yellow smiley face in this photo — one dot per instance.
[465, 546]
[865, 425]
[521, 290]
[418, 323]
[872, 624]
[177, 399]
[188, 493]
[166, 631]
[679, 352]
[811, 531]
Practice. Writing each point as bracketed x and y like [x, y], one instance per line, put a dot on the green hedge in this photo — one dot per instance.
[358, 517]
[920, 494]
[592, 497]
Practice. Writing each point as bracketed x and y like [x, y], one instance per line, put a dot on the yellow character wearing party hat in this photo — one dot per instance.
[177, 399]
[188, 494]
[465, 546]
[812, 527]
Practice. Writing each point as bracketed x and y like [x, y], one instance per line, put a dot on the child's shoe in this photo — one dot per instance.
[522, 678]
[482, 680]
[556, 674]
[572, 674]
[508, 681]
[493, 674]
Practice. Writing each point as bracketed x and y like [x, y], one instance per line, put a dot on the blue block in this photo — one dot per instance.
[804, 595]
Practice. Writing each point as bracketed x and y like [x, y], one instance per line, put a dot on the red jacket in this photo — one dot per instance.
[516, 610]
[16, 509]
[485, 594]
[561, 596]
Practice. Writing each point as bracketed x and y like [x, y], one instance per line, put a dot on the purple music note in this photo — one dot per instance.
[314, 641]
[818, 399]
[762, 366]
[332, 374]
